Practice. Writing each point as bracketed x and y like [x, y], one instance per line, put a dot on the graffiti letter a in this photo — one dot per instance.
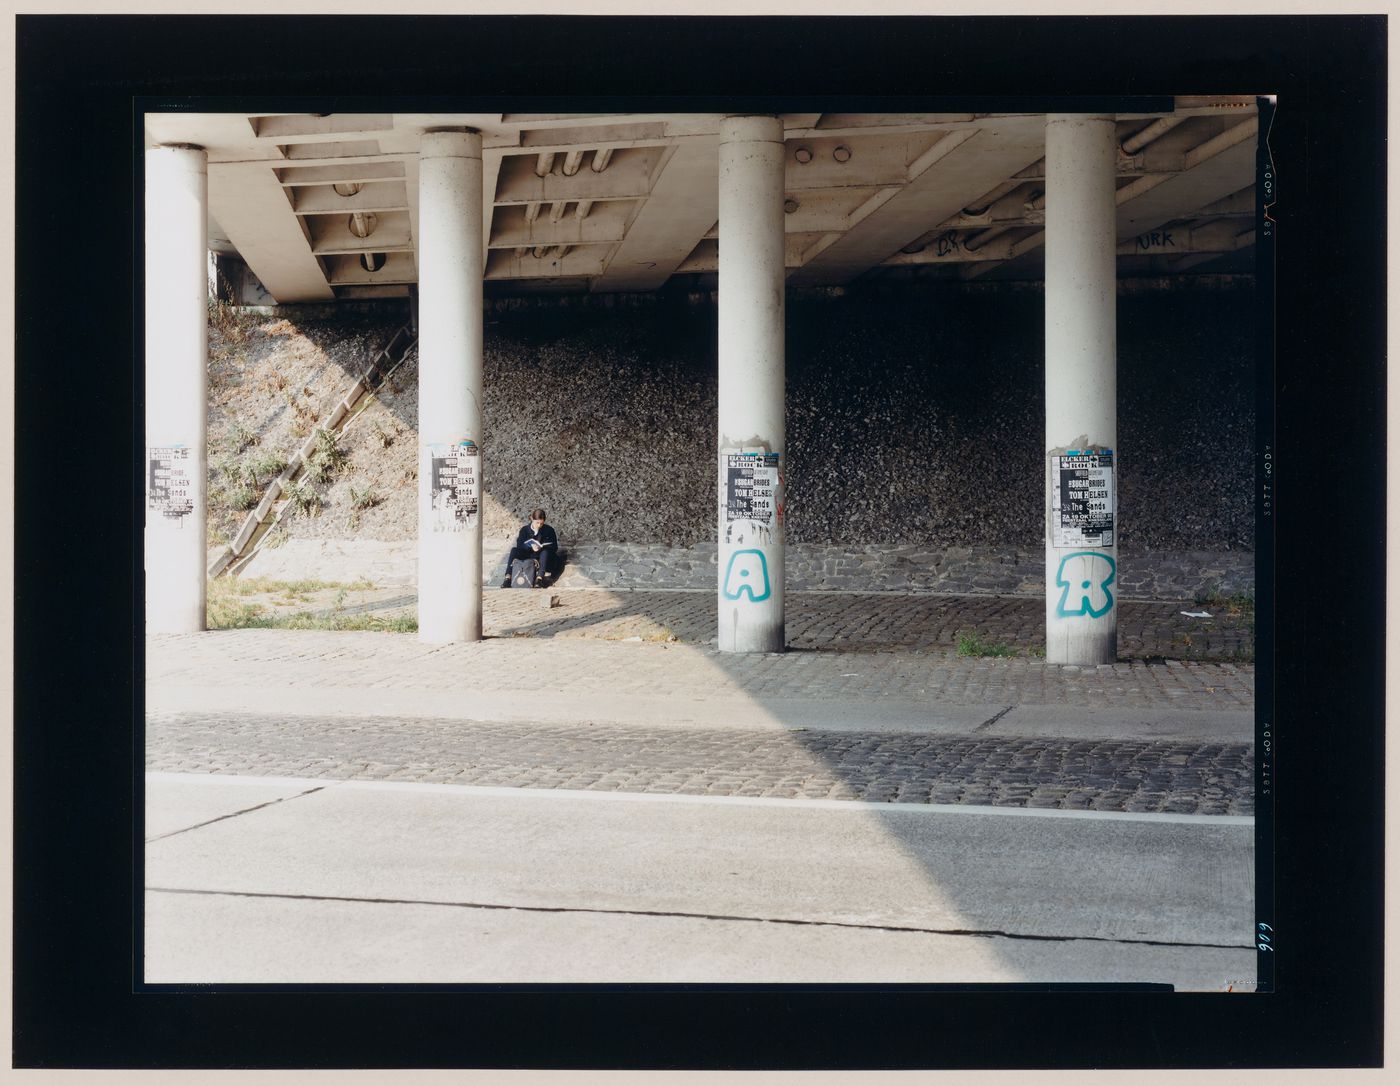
[747, 572]
[1083, 579]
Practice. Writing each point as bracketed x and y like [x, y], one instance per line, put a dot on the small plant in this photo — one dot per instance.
[239, 437]
[218, 376]
[971, 644]
[378, 624]
[224, 610]
[367, 498]
[227, 321]
[229, 468]
[303, 415]
[328, 446]
[1238, 603]
[382, 435]
[236, 497]
[263, 467]
[303, 497]
[253, 586]
[227, 614]
[294, 592]
[1236, 606]
[328, 457]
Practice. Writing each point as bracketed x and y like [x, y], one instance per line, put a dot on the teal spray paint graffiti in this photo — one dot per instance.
[1097, 571]
[747, 569]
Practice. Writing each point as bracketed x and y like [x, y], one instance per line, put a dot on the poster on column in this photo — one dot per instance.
[169, 488]
[751, 492]
[454, 473]
[1082, 501]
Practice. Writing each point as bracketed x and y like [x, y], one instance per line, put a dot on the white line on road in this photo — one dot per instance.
[674, 797]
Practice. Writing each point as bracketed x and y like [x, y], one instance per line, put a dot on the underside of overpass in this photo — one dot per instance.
[321, 207]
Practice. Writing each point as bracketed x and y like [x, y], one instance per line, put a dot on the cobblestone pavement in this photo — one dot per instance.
[276, 659]
[865, 622]
[1113, 775]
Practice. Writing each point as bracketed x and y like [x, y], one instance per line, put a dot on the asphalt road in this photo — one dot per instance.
[262, 879]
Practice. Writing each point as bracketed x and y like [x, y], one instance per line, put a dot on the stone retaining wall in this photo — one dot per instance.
[810, 567]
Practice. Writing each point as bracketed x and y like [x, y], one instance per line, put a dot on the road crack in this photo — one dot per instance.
[235, 814]
[982, 933]
[988, 723]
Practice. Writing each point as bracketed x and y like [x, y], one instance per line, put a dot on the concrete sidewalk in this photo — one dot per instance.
[591, 679]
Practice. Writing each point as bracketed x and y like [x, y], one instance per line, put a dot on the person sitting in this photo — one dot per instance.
[536, 540]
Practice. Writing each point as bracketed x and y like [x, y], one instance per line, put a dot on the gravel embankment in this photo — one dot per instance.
[909, 419]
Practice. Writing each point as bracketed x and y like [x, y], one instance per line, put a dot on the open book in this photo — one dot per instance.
[537, 544]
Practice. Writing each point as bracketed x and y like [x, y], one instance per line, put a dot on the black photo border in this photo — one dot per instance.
[78, 646]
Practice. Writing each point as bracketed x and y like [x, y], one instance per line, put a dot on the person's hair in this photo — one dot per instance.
[537, 514]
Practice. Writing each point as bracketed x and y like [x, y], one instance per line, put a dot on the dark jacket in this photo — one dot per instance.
[544, 535]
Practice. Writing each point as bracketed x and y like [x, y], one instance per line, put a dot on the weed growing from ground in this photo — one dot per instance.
[229, 468]
[303, 497]
[327, 459]
[1239, 605]
[367, 498]
[230, 613]
[229, 607]
[239, 437]
[267, 586]
[971, 644]
[232, 324]
[303, 414]
[238, 498]
[363, 622]
[263, 467]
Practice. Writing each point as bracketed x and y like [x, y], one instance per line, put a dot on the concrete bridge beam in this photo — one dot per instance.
[177, 216]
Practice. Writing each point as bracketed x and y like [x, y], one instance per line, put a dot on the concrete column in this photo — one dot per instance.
[449, 386]
[751, 392]
[1081, 414]
[177, 349]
